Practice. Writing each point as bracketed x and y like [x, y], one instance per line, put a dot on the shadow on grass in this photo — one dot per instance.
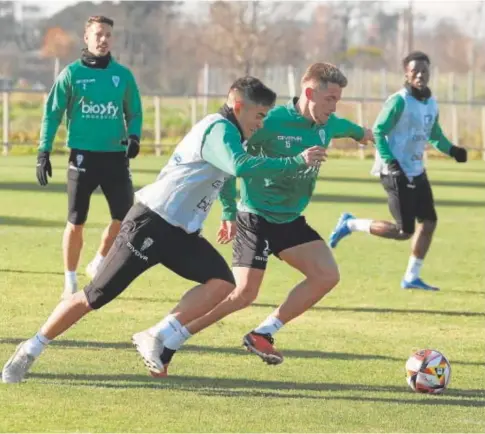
[345, 198]
[238, 387]
[333, 198]
[386, 310]
[56, 273]
[373, 180]
[34, 222]
[303, 354]
[383, 310]
[34, 187]
[29, 221]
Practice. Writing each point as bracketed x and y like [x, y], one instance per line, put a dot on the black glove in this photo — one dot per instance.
[132, 146]
[395, 169]
[43, 168]
[459, 154]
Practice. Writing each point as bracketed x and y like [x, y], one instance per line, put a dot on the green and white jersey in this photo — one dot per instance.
[102, 107]
[282, 197]
[402, 129]
[206, 157]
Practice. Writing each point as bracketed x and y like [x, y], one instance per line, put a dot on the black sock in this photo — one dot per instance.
[167, 355]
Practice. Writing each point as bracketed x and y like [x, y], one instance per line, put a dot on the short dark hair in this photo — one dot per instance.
[254, 90]
[99, 19]
[415, 55]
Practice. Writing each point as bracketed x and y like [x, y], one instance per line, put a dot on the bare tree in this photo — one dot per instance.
[249, 35]
[57, 45]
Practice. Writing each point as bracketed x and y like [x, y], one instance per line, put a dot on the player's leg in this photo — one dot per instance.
[402, 206]
[121, 267]
[117, 187]
[427, 218]
[81, 182]
[250, 256]
[193, 258]
[300, 246]
[315, 261]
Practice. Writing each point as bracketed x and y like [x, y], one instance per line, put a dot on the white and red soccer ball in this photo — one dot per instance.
[428, 371]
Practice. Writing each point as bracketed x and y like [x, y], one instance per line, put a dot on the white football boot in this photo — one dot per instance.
[17, 366]
[150, 349]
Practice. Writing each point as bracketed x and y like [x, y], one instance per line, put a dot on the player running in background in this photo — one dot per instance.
[164, 226]
[407, 122]
[269, 215]
[103, 106]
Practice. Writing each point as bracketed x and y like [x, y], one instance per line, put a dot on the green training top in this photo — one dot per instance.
[102, 106]
[282, 197]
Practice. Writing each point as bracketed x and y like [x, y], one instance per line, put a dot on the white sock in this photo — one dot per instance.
[35, 345]
[359, 225]
[270, 325]
[165, 328]
[98, 259]
[70, 276]
[177, 339]
[414, 268]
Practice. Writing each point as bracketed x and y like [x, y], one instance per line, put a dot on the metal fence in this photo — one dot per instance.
[462, 121]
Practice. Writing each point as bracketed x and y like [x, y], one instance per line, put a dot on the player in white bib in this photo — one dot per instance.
[164, 225]
[407, 122]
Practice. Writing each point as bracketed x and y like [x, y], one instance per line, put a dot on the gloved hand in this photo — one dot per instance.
[132, 146]
[459, 154]
[395, 169]
[43, 167]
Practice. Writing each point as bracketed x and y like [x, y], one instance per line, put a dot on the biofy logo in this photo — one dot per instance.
[109, 110]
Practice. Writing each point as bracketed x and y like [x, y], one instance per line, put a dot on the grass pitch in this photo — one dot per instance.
[344, 366]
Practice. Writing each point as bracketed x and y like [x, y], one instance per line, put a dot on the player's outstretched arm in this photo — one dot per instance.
[439, 141]
[223, 149]
[345, 128]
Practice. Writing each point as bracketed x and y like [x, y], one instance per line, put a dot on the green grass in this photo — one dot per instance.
[344, 367]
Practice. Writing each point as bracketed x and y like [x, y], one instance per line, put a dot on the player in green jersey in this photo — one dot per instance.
[103, 117]
[407, 122]
[164, 227]
[269, 215]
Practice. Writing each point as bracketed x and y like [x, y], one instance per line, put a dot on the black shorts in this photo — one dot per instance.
[409, 201]
[256, 239]
[144, 240]
[88, 170]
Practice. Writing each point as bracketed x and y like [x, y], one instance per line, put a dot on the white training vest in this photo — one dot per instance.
[187, 186]
[408, 139]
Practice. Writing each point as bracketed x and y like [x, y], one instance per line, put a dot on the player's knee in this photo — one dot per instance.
[429, 226]
[74, 229]
[404, 231]
[115, 226]
[113, 229]
[403, 236]
[325, 278]
[80, 300]
[331, 278]
[222, 287]
[244, 296]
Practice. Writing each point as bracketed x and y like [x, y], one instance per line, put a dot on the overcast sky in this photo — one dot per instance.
[465, 12]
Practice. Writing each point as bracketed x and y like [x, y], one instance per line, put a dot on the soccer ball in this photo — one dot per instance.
[428, 371]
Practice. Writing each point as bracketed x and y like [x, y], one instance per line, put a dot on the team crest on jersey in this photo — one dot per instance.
[79, 159]
[322, 135]
[146, 243]
[427, 119]
[116, 80]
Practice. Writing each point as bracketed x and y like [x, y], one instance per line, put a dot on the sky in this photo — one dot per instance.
[463, 11]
